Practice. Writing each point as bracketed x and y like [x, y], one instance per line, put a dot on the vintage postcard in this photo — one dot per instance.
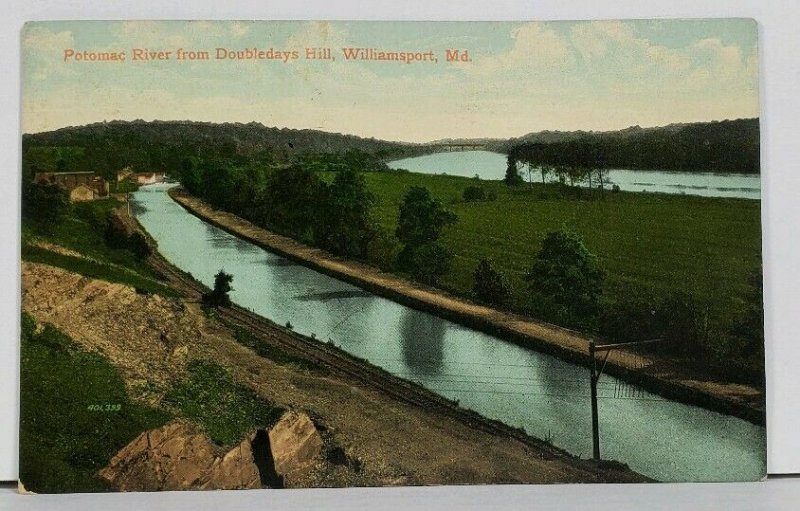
[324, 254]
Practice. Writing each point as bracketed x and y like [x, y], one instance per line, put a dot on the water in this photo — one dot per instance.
[549, 398]
[488, 165]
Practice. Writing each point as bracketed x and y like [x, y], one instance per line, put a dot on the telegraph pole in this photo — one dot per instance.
[594, 376]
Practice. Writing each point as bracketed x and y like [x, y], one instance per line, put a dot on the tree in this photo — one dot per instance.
[422, 220]
[473, 194]
[44, 203]
[489, 285]
[426, 262]
[345, 224]
[293, 202]
[512, 172]
[218, 297]
[565, 281]
[137, 244]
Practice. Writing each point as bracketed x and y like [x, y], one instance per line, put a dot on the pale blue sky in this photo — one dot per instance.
[523, 76]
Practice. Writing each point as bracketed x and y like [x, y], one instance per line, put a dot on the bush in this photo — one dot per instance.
[218, 297]
[489, 285]
[426, 262]
[137, 244]
[473, 194]
[383, 250]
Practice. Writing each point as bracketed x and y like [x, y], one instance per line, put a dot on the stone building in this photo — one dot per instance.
[81, 186]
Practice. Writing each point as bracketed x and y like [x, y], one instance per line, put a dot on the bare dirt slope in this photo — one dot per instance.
[151, 338]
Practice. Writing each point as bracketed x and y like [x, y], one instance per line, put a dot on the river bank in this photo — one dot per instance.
[658, 376]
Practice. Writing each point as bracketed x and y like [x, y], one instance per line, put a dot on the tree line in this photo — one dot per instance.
[724, 146]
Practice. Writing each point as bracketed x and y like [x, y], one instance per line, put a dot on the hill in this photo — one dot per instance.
[718, 146]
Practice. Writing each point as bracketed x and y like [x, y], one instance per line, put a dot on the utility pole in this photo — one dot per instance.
[594, 376]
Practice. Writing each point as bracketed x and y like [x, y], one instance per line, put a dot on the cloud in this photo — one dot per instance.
[536, 47]
[523, 77]
[42, 51]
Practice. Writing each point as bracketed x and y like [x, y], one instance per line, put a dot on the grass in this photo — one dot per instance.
[96, 270]
[64, 438]
[225, 410]
[266, 350]
[83, 230]
[648, 244]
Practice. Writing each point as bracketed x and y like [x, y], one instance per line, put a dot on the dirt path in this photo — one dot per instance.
[150, 339]
[658, 376]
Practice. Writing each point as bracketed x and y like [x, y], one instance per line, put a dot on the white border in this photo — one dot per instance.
[779, 46]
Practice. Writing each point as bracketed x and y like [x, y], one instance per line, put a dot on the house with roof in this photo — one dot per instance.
[81, 186]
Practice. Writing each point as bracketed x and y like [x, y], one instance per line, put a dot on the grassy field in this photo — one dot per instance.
[648, 244]
[96, 270]
[75, 413]
[82, 229]
[225, 410]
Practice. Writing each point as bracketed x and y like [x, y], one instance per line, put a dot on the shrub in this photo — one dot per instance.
[218, 297]
[137, 244]
[426, 262]
[489, 285]
[473, 194]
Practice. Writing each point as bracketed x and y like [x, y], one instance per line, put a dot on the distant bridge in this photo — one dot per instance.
[458, 146]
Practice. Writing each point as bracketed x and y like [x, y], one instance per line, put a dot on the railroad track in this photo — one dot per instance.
[362, 372]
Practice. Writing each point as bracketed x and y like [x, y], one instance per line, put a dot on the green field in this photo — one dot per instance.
[648, 244]
[75, 413]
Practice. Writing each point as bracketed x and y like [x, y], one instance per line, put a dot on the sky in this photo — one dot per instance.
[521, 77]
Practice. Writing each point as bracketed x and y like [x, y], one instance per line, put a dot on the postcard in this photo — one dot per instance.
[261, 254]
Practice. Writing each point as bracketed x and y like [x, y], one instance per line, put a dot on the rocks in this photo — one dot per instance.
[295, 445]
[149, 338]
[179, 457]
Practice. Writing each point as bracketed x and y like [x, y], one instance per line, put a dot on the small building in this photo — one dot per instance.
[81, 193]
[149, 178]
[91, 185]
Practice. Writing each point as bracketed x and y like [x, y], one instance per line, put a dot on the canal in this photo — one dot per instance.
[547, 397]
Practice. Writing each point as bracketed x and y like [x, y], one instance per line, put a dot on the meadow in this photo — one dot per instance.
[649, 244]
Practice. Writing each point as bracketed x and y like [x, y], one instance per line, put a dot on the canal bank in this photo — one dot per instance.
[651, 374]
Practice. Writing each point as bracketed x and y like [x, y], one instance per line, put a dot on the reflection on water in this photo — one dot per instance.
[220, 239]
[333, 295]
[547, 397]
[489, 165]
[422, 339]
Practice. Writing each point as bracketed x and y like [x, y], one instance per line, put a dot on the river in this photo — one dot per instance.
[492, 166]
[548, 397]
